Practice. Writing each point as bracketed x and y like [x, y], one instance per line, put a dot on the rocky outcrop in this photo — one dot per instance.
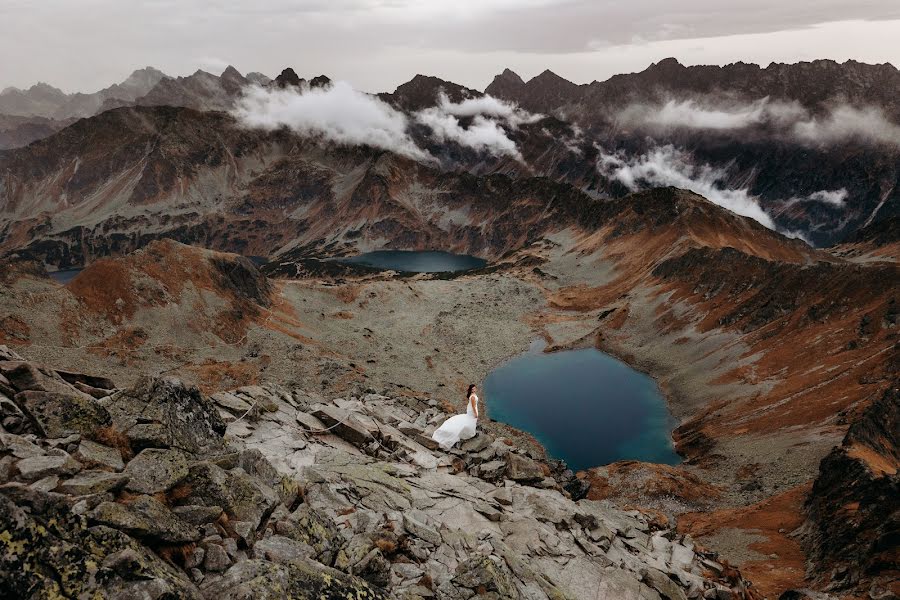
[252, 494]
[853, 512]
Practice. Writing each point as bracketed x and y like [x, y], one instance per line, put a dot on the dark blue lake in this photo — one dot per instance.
[413, 261]
[585, 407]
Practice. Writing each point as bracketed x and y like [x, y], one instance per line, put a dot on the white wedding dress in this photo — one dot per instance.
[457, 427]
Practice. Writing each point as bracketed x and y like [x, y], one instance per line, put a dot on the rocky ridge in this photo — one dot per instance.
[159, 491]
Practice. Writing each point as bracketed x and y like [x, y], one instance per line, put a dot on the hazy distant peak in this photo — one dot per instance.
[288, 77]
[258, 78]
[231, 73]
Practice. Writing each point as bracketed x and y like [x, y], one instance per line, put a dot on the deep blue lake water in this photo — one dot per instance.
[585, 407]
[411, 261]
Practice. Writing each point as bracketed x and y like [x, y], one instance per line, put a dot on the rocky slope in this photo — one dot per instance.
[854, 507]
[158, 491]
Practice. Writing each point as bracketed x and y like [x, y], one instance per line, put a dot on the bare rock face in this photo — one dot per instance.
[362, 511]
[164, 413]
[853, 522]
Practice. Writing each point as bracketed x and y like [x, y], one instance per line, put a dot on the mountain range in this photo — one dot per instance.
[814, 145]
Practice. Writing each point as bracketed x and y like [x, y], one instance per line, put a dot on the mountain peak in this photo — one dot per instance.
[667, 64]
[288, 77]
[231, 73]
[320, 81]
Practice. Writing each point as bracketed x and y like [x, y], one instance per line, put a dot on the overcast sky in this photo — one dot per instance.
[84, 45]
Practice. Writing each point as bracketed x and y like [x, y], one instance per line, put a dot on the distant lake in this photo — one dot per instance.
[585, 407]
[64, 276]
[414, 261]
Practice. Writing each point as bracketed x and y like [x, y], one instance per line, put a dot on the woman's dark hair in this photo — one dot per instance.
[469, 392]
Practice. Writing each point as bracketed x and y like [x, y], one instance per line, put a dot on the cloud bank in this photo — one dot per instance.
[788, 120]
[336, 112]
[343, 115]
[712, 114]
[490, 119]
[667, 165]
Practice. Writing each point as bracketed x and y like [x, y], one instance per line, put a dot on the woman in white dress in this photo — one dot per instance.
[459, 427]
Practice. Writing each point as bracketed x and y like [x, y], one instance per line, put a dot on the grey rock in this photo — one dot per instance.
[195, 558]
[169, 413]
[264, 580]
[19, 447]
[416, 523]
[521, 468]
[38, 467]
[93, 482]
[216, 559]
[502, 496]
[663, 584]
[58, 415]
[477, 443]
[309, 526]
[156, 470]
[242, 497]
[47, 484]
[245, 531]
[146, 518]
[198, 515]
[97, 455]
[344, 424]
[282, 549]
[492, 470]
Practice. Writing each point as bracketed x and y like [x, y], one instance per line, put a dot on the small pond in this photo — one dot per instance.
[64, 276]
[414, 261]
[585, 407]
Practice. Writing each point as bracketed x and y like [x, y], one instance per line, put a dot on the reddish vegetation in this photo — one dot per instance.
[782, 565]
[635, 483]
[214, 376]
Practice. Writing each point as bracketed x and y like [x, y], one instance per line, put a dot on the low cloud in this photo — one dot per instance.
[344, 115]
[337, 112]
[712, 114]
[834, 198]
[849, 123]
[490, 120]
[788, 120]
[667, 165]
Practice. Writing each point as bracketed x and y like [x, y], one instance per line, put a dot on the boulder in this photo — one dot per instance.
[156, 470]
[344, 425]
[486, 574]
[146, 518]
[93, 482]
[166, 412]
[216, 558]
[93, 454]
[38, 467]
[60, 414]
[521, 468]
[264, 580]
[492, 470]
[198, 515]
[18, 446]
[309, 526]
[49, 553]
[241, 496]
[417, 523]
[282, 549]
